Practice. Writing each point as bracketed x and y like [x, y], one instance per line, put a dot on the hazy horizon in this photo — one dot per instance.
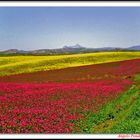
[32, 28]
[63, 47]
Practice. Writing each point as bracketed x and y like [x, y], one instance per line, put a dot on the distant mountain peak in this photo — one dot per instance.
[76, 46]
[136, 47]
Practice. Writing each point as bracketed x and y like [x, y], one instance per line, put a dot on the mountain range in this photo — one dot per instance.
[69, 50]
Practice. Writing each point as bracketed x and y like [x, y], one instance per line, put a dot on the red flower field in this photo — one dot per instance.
[51, 101]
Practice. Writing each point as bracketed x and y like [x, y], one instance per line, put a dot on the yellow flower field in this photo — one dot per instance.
[10, 65]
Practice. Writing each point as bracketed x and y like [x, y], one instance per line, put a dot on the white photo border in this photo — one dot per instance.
[69, 4]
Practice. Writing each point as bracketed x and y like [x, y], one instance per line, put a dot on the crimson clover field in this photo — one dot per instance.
[70, 94]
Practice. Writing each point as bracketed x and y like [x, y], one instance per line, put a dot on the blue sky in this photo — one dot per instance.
[29, 28]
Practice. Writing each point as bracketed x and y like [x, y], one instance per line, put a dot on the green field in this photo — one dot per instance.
[10, 65]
